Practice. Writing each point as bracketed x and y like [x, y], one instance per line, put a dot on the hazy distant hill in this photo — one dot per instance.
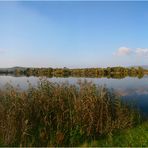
[10, 70]
[144, 66]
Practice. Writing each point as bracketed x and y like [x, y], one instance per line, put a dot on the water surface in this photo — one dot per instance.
[131, 88]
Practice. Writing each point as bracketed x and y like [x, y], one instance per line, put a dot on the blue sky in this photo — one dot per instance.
[73, 34]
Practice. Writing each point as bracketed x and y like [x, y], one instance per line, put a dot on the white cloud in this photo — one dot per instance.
[122, 51]
[141, 51]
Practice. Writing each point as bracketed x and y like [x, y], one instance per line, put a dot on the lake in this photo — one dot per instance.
[130, 88]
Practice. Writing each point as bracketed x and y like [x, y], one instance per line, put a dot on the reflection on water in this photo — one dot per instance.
[128, 87]
[21, 82]
[140, 101]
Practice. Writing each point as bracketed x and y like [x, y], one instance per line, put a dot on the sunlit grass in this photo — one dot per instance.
[135, 137]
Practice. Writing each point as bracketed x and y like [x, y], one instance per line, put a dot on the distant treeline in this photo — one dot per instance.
[113, 72]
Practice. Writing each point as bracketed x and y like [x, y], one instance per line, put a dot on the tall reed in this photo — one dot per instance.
[61, 114]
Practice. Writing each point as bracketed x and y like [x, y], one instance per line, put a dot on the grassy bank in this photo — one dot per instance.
[134, 137]
[61, 114]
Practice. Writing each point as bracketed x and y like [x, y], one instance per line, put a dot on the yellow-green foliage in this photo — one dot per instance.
[134, 137]
[60, 114]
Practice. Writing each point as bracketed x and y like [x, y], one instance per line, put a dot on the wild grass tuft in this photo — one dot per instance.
[61, 114]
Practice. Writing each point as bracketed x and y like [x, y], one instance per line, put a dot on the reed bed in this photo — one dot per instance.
[61, 114]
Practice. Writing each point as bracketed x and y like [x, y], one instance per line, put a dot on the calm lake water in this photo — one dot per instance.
[131, 88]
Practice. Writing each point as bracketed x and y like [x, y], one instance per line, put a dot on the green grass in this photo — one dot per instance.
[134, 137]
